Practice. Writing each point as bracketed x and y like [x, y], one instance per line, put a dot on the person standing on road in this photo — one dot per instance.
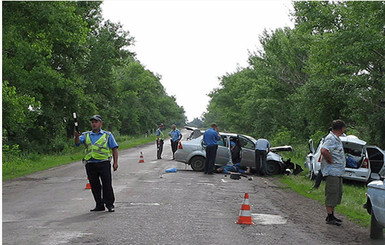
[159, 140]
[175, 136]
[262, 147]
[333, 168]
[210, 139]
[100, 146]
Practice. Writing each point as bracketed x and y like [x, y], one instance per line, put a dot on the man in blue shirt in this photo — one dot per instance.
[100, 146]
[210, 139]
[159, 140]
[262, 147]
[175, 136]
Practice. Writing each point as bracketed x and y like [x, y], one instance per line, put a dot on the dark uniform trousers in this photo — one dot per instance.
[159, 146]
[97, 171]
[174, 146]
[211, 154]
[260, 162]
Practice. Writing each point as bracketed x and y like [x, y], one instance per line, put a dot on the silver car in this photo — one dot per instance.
[362, 160]
[376, 208]
[193, 152]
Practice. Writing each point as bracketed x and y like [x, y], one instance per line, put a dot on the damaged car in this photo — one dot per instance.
[193, 152]
[195, 132]
[361, 160]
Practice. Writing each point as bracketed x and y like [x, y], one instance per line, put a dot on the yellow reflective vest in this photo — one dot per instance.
[98, 150]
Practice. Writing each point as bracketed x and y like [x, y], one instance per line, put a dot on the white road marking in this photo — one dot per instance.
[77, 199]
[206, 184]
[144, 204]
[64, 237]
[224, 181]
[268, 219]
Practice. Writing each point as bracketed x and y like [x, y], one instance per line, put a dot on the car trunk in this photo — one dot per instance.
[355, 154]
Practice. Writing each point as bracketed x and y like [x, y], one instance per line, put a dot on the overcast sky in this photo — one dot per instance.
[192, 43]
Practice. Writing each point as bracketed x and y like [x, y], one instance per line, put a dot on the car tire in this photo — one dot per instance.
[273, 168]
[198, 163]
[376, 230]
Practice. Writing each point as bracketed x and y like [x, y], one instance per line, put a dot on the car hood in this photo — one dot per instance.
[282, 148]
[377, 184]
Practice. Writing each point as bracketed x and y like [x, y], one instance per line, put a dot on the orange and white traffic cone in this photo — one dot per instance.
[88, 185]
[245, 213]
[141, 159]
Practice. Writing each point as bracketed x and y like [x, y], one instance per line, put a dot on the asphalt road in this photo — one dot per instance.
[154, 207]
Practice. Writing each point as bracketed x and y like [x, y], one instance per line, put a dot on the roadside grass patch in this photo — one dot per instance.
[353, 196]
[16, 165]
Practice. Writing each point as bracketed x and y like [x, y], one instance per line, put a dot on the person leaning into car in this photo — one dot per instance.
[210, 139]
[262, 147]
[333, 168]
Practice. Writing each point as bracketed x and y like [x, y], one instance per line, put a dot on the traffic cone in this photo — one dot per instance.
[245, 214]
[88, 185]
[141, 159]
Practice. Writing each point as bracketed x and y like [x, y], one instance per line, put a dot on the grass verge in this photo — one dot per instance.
[17, 166]
[352, 200]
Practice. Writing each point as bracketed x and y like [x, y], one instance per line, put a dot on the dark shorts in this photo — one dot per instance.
[333, 191]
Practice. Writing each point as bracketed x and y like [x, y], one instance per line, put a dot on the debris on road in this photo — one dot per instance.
[171, 170]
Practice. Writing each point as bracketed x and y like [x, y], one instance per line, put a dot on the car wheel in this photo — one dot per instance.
[273, 168]
[198, 163]
[375, 228]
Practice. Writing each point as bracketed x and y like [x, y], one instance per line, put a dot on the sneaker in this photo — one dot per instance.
[97, 208]
[111, 208]
[337, 219]
[331, 221]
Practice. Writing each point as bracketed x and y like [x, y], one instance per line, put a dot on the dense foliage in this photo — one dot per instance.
[330, 65]
[62, 57]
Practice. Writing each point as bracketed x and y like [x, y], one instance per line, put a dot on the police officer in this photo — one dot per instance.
[262, 147]
[100, 146]
[159, 140]
[175, 136]
[210, 139]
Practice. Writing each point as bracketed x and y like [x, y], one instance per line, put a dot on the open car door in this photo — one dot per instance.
[247, 151]
[376, 159]
[223, 153]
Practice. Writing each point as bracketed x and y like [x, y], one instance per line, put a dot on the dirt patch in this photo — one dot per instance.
[311, 214]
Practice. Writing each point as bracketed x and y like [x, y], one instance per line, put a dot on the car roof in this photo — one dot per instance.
[229, 134]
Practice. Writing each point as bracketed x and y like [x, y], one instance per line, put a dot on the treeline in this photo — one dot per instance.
[63, 57]
[330, 65]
